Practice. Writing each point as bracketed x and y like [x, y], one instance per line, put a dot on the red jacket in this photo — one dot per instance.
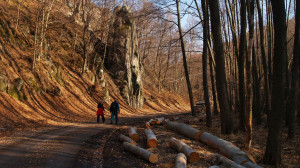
[100, 111]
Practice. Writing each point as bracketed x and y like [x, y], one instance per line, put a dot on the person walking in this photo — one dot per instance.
[114, 110]
[100, 112]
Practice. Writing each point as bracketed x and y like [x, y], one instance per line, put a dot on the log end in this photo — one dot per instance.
[193, 157]
[153, 158]
[147, 125]
[152, 143]
[135, 137]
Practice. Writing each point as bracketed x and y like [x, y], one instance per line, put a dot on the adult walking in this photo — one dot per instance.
[100, 112]
[114, 110]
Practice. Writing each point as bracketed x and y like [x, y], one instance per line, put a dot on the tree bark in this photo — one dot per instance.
[241, 65]
[204, 62]
[184, 60]
[249, 91]
[184, 129]
[263, 56]
[182, 147]
[226, 115]
[224, 161]
[180, 161]
[140, 152]
[273, 149]
[292, 102]
[124, 138]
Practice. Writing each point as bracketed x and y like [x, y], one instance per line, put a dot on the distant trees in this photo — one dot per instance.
[41, 26]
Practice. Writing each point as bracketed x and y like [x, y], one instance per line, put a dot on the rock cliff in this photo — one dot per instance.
[123, 58]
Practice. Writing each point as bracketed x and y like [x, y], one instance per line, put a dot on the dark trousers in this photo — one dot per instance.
[114, 115]
[98, 117]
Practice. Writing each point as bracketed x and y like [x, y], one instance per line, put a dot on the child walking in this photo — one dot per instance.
[100, 112]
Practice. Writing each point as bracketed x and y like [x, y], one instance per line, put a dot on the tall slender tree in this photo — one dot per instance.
[184, 60]
[292, 102]
[249, 79]
[226, 115]
[204, 61]
[273, 149]
[241, 64]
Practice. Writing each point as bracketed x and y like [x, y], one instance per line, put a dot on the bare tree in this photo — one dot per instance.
[291, 107]
[226, 115]
[184, 60]
[273, 149]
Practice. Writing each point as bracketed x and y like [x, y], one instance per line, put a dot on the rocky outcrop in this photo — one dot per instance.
[123, 58]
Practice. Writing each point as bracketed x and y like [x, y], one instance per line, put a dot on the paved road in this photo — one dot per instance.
[57, 147]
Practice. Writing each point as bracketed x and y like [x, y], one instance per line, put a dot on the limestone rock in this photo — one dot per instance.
[123, 57]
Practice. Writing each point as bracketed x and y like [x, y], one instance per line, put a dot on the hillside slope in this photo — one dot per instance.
[54, 91]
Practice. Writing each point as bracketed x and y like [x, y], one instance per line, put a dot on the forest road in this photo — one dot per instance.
[55, 147]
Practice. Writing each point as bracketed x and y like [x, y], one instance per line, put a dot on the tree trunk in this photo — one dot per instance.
[180, 161]
[184, 60]
[263, 56]
[124, 138]
[182, 147]
[256, 90]
[213, 89]
[224, 161]
[292, 103]
[133, 134]
[249, 93]
[226, 115]
[140, 152]
[273, 149]
[151, 138]
[241, 64]
[184, 129]
[204, 61]
[227, 149]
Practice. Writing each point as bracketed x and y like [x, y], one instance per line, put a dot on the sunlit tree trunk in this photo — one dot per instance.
[184, 60]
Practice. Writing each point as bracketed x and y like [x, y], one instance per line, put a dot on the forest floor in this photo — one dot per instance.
[88, 144]
[114, 154]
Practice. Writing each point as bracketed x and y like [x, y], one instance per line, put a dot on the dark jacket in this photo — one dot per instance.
[114, 107]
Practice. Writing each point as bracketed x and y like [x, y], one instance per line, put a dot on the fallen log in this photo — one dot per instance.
[149, 123]
[224, 161]
[151, 138]
[124, 138]
[180, 161]
[185, 149]
[174, 118]
[160, 120]
[166, 121]
[226, 148]
[133, 134]
[184, 129]
[140, 152]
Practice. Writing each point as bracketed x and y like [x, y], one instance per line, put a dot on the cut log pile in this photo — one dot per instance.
[231, 156]
[182, 147]
[226, 148]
